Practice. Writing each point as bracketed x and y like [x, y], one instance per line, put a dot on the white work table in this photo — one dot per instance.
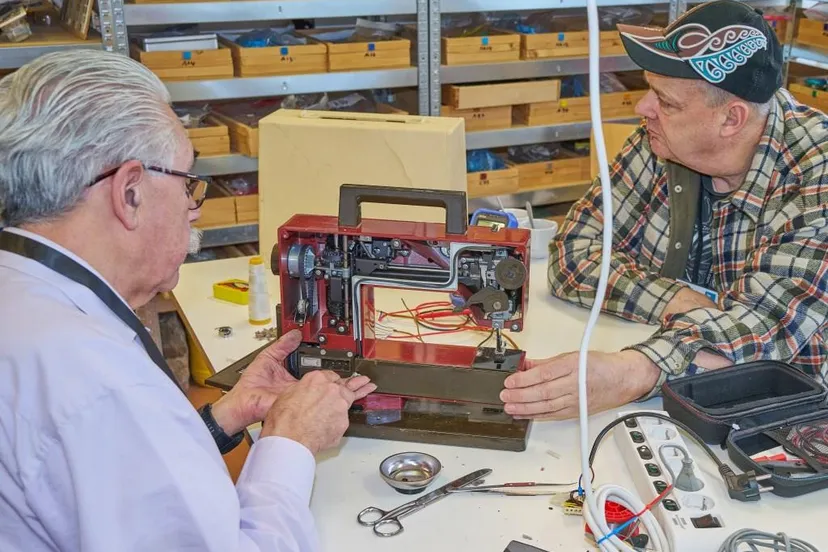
[347, 479]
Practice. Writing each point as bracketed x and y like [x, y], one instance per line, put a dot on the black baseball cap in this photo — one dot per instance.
[727, 43]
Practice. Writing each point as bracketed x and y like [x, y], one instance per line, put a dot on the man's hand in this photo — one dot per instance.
[313, 412]
[549, 388]
[262, 382]
[685, 301]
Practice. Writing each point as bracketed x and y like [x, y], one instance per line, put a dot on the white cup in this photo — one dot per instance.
[542, 234]
[520, 214]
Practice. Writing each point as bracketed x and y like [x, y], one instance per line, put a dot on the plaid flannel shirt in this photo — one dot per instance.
[770, 252]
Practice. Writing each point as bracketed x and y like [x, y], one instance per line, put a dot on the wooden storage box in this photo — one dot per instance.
[219, 209]
[277, 60]
[244, 139]
[211, 139]
[572, 110]
[482, 118]
[818, 99]
[571, 44]
[356, 56]
[811, 32]
[247, 208]
[489, 183]
[187, 65]
[497, 46]
[564, 171]
[470, 96]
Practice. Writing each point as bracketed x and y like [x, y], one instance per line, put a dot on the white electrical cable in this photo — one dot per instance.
[595, 502]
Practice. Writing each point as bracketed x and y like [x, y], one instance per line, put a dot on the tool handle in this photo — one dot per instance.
[352, 196]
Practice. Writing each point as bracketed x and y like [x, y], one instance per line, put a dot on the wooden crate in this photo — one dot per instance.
[244, 139]
[571, 44]
[550, 174]
[497, 46]
[277, 60]
[811, 32]
[356, 56]
[573, 110]
[211, 139]
[470, 96]
[219, 209]
[483, 118]
[187, 65]
[247, 208]
[489, 183]
[817, 99]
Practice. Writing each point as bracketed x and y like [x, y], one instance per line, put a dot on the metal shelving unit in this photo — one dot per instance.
[519, 135]
[226, 89]
[261, 10]
[12, 57]
[811, 57]
[234, 163]
[513, 70]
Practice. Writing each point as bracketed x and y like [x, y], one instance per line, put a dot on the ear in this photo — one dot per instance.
[127, 189]
[736, 116]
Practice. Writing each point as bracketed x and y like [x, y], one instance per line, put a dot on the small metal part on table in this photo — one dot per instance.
[267, 334]
[224, 331]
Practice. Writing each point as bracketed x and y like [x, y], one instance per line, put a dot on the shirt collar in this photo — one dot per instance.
[83, 298]
[762, 173]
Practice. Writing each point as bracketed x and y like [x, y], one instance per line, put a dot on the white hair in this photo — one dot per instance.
[69, 116]
[717, 97]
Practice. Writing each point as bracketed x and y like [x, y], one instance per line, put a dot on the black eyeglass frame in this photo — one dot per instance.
[185, 175]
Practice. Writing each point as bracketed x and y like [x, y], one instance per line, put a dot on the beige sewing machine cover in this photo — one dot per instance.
[304, 156]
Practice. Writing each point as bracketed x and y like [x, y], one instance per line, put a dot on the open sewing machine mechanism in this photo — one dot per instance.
[329, 269]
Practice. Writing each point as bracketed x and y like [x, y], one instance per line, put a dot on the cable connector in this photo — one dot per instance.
[743, 487]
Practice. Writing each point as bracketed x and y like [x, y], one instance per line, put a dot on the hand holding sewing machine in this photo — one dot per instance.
[312, 412]
[548, 388]
[263, 382]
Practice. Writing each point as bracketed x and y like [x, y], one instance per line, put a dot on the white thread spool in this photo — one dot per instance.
[258, 302]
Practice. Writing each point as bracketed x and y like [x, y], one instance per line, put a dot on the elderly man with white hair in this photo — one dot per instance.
[100, 451]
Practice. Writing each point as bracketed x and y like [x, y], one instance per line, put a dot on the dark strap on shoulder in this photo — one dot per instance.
[684, 187]
[60, 263]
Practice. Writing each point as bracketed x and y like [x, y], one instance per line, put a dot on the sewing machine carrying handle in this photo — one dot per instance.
[351, 197]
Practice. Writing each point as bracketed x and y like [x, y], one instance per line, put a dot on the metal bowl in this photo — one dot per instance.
[409, 472]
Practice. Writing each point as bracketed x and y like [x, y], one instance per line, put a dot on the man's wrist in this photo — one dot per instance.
[644, 374]
[225, 441]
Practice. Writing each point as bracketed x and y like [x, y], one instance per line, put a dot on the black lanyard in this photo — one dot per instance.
[60, 263]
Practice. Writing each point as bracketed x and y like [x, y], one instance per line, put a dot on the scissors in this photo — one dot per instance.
[390, 521]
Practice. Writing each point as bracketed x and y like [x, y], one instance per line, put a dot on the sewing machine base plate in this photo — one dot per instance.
[429, 422]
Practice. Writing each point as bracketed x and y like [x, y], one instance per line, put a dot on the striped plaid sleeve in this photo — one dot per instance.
[773, 311]
[633, 292]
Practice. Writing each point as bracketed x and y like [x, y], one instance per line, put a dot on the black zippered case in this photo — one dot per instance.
[753, 407]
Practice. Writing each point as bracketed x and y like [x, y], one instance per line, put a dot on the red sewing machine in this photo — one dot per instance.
[329, 269]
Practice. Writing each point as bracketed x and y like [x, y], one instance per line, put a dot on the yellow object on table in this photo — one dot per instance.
[233, 290]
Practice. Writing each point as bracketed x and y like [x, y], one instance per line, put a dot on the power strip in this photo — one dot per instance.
[692, 521]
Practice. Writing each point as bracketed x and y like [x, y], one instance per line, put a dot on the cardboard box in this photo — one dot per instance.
[470, 96]
[615, 134]
[573, 110]
[305, 156]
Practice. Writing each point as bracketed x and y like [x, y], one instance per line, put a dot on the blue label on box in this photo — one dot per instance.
[371, 46]
[186, 55]
[560, 37]
[485, 41]
[283, 51]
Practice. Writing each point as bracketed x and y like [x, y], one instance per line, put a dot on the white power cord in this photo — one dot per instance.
[595, 502]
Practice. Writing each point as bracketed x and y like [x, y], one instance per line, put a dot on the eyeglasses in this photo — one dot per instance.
[196, 185]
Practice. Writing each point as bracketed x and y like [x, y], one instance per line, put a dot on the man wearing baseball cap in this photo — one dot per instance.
[720, 203]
